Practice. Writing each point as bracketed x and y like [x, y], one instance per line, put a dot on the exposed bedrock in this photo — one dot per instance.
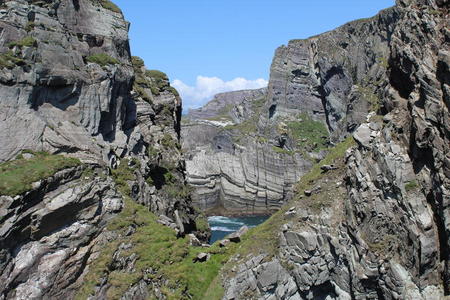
[322, 87]
[385, 233]
[69, 86]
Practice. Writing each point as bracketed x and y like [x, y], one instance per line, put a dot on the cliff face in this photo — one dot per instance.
[320, 90]
[231, 165]
[101, 135]
[377, 226]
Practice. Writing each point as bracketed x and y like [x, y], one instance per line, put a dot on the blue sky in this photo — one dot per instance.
[210, 46]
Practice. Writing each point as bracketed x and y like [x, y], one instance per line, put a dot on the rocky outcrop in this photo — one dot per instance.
[65, 79]
[48, 233]
[69, 86]
[320, 90]
[384, 234]
[231, 164]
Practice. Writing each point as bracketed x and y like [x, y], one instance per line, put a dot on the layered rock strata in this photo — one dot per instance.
[69, 86]
[326, 85]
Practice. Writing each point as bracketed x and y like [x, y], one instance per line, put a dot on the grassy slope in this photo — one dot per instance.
[264, 238]
[16, 176]
[158, 249]
[171, 259]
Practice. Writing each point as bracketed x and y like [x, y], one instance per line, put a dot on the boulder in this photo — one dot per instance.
[202, 257]
[235, 237]
[326, 168]
[363, 135]
[194, 241]
[224, 243]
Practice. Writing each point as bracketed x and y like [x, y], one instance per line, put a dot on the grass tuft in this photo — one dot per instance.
[102, 59]
[307, 133]
[110, 6]
[16, 176]
[25, 42]
[411, 186]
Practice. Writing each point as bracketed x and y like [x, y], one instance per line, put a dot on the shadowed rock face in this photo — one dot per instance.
[386, 234]
[55, 97]
[67, 86]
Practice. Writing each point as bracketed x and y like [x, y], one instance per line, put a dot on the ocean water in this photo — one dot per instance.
[223, 226]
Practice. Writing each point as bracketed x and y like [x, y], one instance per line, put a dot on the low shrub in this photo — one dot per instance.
[102, 59]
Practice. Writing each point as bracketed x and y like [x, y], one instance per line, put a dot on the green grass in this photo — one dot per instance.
[122, 174]
[307, 133]
[169, 142]
[16, 176]
[9, 60]
[173, 91]
[102, 59]
[202, 222]
[153, 80]
[338, 152]
[137, 62]
[411, 186]
[158, 248]
[156, 74]
[282, 150]
[25, 42]
[368, 93]
[110, 6]
[30, 26]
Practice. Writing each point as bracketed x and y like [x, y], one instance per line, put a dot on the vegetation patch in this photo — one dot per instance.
[282, 150]
[25, 42]
[102, 59]
[368, 93]
[308, 134]
[169, 142]
[150, 81]
[109, 6]
[9, 60]
[338, 152]
[16, 176]
[170, 259]
[411, 186]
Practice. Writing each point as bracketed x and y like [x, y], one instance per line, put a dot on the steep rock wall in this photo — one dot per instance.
[325, 84]
[384, 234]
[69, 86]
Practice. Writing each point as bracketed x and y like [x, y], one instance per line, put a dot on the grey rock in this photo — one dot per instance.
[193, 241]
[224, 243]
[386, 235]
[202, 257]
[59, 100]
[363, 135]
[235, 237]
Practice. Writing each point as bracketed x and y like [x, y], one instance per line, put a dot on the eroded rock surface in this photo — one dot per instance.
[326, 85]
[378, 227]
[68, 85]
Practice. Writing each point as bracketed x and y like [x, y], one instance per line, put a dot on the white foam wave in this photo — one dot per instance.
[221, 228]
[225, 221]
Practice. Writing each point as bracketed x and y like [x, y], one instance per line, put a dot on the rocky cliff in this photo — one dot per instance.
[376, 225]
[231, 164]
[252, 146]
[89, 152]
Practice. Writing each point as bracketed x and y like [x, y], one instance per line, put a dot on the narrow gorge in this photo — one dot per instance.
[105, 187]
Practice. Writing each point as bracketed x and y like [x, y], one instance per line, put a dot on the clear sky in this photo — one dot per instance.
[210, 46]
